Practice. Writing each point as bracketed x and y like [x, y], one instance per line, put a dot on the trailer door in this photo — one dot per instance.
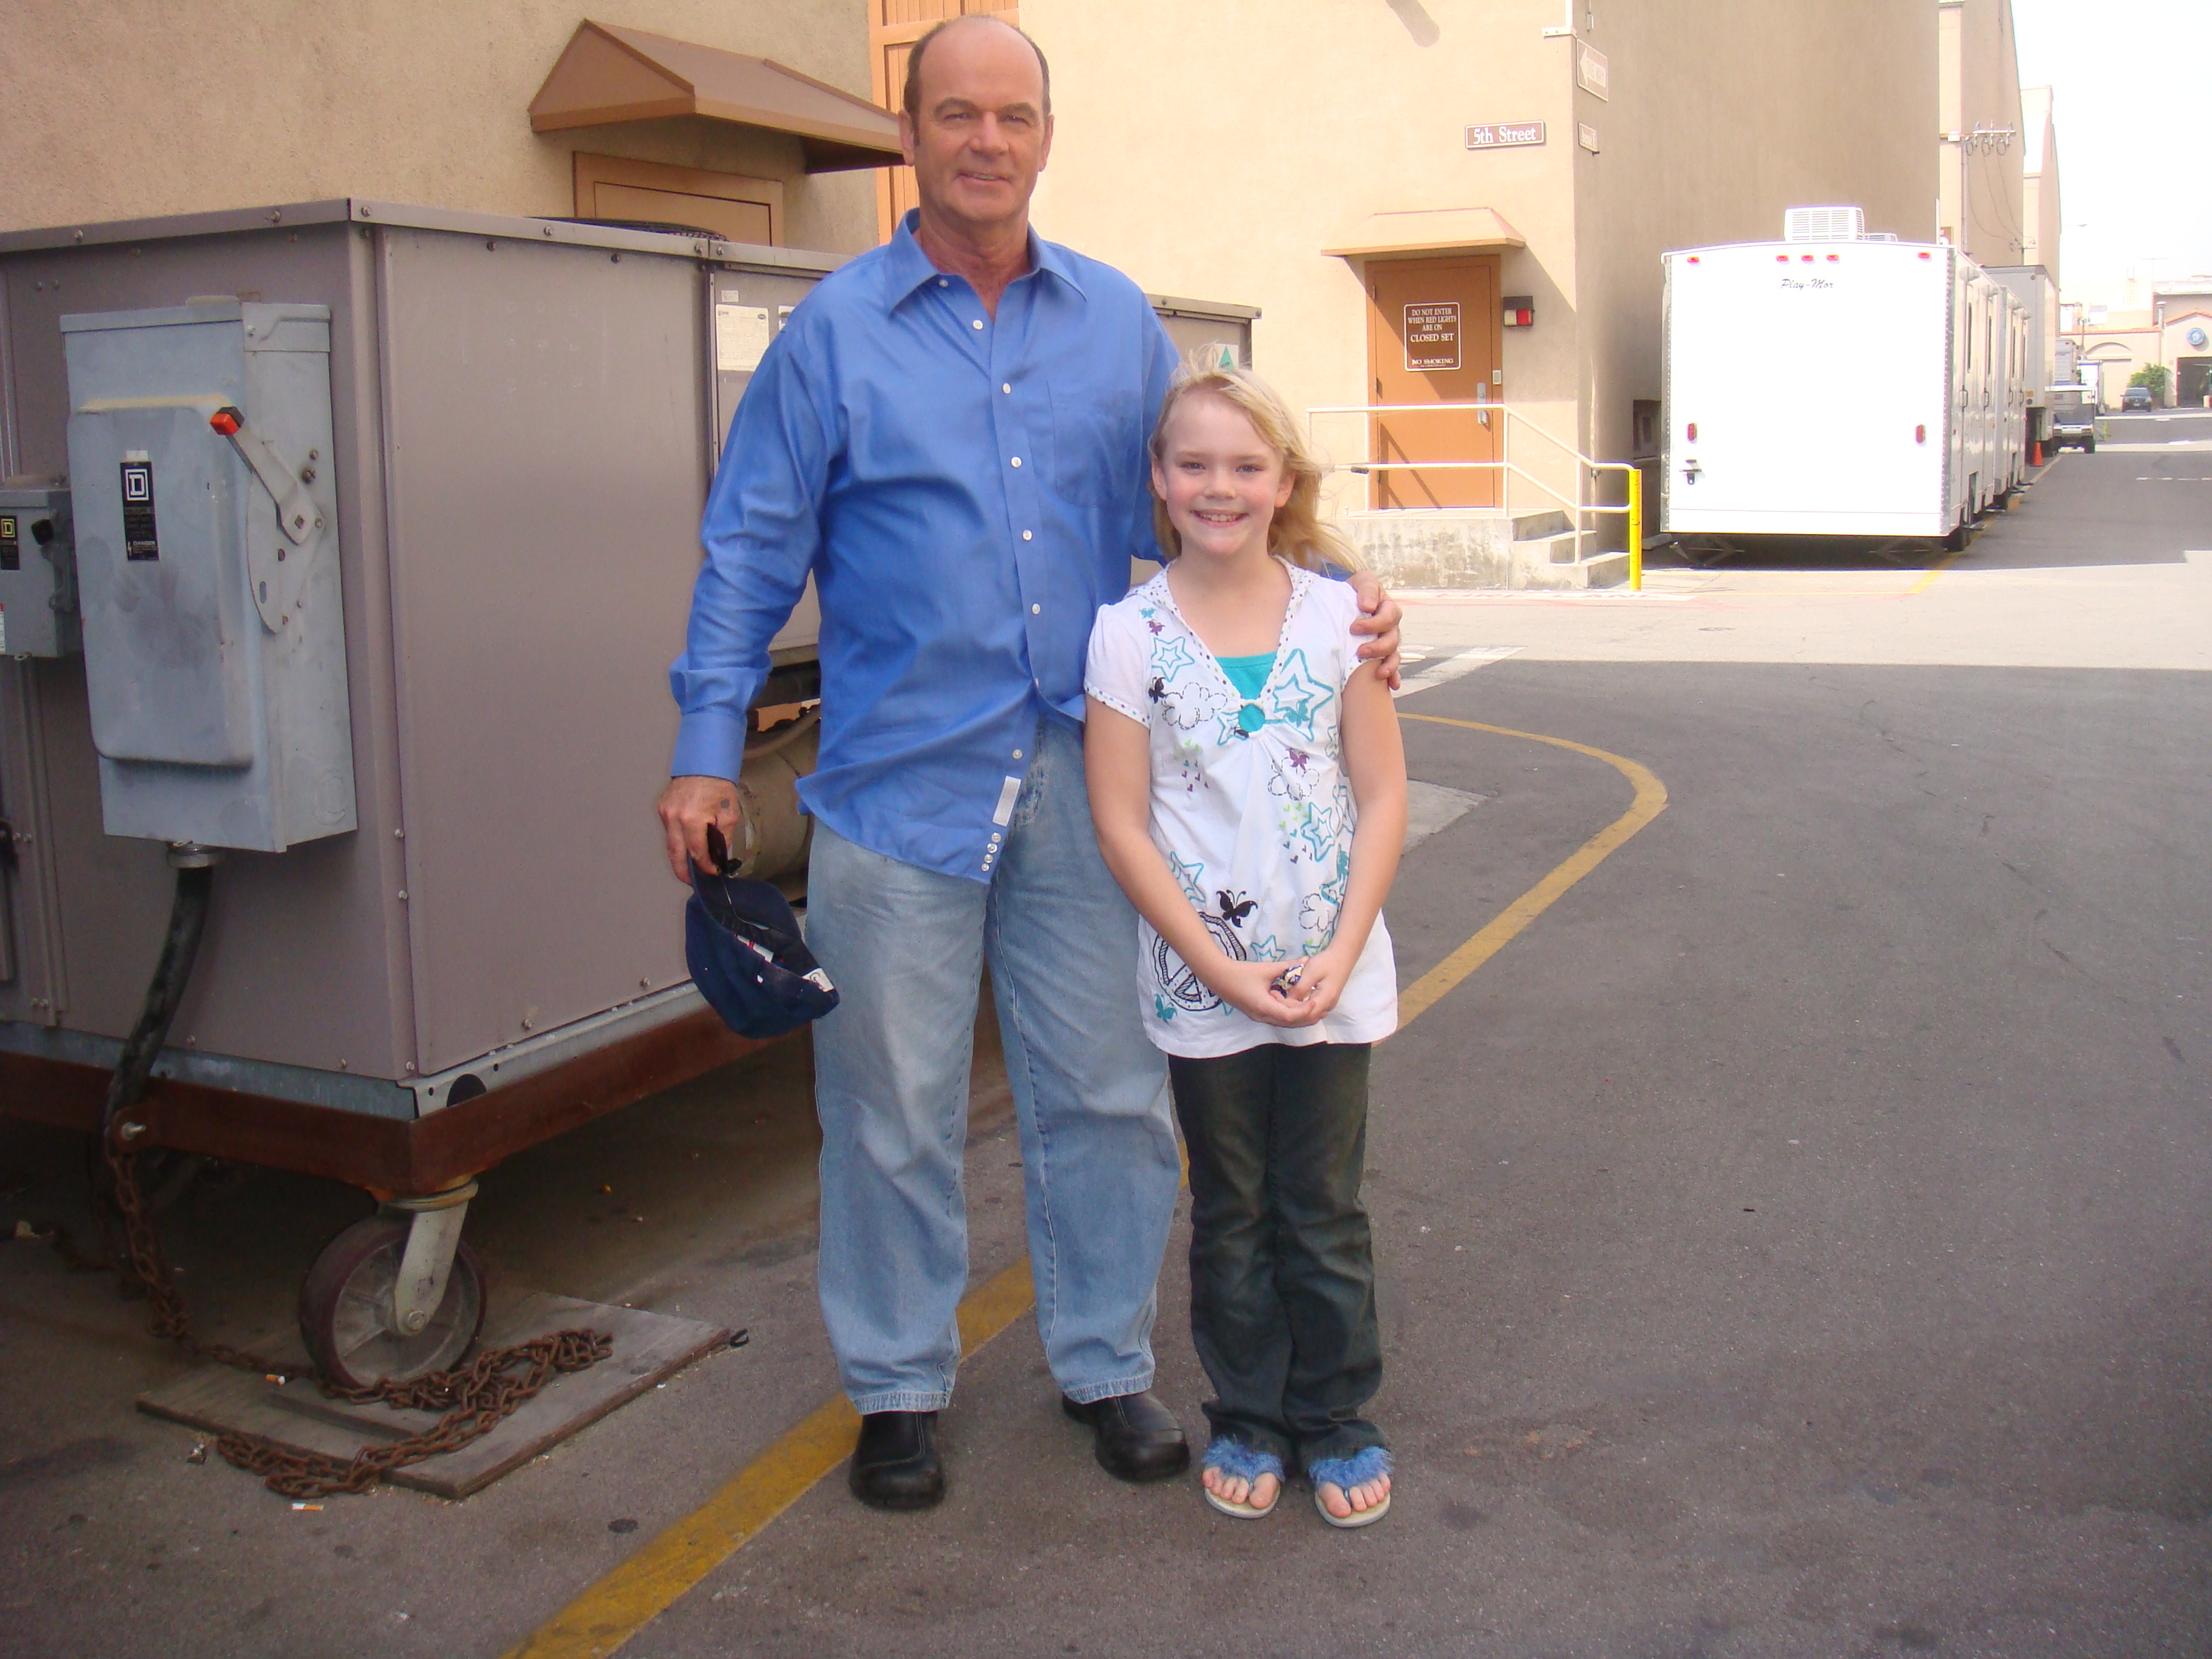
[1781, 418]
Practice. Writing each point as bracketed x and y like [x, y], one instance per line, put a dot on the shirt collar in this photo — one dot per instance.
[906, 267]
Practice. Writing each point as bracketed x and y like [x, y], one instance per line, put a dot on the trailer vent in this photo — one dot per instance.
[1823, 224]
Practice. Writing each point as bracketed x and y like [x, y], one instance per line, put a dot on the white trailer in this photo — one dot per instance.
[1839, 385]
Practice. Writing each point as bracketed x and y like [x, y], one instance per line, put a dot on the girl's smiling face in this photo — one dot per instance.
[1220, 481]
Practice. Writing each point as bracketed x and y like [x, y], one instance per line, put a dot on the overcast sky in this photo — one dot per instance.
[2131, 98]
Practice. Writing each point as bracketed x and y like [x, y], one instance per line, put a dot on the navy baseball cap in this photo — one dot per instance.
[741, 941]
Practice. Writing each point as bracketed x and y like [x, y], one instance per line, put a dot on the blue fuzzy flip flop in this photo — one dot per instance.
[1345, 1473]
[1233, 1458]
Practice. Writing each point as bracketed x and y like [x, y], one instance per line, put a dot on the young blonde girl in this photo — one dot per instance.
[1249, 793]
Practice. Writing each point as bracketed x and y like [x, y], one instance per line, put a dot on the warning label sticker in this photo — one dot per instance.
[140, 540]
[11, 550]
[1432, 337]
[741, 338]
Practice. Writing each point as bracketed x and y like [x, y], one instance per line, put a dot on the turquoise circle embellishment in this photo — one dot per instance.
[1250, 718]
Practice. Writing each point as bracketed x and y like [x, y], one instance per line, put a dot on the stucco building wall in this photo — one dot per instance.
[1216, 150]
[1723, 114]
[1978, 202]
[2041, 209]
[123, 112]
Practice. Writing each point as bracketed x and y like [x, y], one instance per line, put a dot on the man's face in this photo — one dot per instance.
[981, 135]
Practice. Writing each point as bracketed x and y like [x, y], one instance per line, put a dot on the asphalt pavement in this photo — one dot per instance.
[1794, 1241]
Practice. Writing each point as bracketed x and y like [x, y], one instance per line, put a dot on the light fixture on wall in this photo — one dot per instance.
[1519, 310]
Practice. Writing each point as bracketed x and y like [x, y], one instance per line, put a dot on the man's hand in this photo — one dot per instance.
[687, 806]
[1380, 622]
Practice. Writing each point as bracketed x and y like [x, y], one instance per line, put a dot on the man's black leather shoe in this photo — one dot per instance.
[1137, 1438]
[894, 1467]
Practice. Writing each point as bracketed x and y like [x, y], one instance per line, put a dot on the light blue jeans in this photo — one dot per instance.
[907, 948]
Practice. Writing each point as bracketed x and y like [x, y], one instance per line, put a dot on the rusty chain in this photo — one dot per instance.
[474, 1398]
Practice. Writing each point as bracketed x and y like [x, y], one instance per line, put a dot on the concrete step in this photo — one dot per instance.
[1599, 570]
[1537, 526]
[1554, 549]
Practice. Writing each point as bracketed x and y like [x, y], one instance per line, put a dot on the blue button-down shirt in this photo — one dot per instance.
[966, 491]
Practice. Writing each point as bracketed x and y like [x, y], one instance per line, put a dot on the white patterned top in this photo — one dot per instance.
[1250, 808]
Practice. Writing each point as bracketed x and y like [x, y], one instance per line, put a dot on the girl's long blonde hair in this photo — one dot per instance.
[1296, 532]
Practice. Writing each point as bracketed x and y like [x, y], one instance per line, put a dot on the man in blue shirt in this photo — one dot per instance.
[950, 436]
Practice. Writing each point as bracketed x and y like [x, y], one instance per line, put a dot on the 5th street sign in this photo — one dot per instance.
[1501, 135]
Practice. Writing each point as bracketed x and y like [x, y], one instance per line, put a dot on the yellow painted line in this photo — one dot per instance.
[1933, 571]
[618, 1606]
[1650, 801]
[614, 1609]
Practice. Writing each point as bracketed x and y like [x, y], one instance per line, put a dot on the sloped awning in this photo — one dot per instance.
[607, 76]
[1425, 230]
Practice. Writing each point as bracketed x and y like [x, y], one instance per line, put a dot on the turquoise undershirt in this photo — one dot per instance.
[1248, 675]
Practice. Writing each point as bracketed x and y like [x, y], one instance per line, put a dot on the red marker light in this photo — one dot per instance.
[1833, 258]
[1693, 432]
[1807, 258]
[1693, 259]
[1920, 434]
[226, 420]
[1925, 254]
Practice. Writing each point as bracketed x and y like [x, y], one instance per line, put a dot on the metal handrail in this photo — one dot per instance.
[1633, 507]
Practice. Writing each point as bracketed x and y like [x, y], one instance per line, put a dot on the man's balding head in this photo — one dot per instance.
[976, 129]
[912, 102]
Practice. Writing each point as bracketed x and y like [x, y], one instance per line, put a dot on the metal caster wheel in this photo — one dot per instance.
[347, 1316]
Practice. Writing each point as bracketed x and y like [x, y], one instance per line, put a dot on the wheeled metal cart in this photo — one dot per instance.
[380, 523]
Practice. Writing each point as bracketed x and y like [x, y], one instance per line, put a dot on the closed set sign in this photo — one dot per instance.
[1433, 336]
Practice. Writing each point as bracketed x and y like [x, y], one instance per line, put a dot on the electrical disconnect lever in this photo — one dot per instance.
[301, 520]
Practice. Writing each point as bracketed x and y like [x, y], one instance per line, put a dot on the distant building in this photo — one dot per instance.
[2175, 330]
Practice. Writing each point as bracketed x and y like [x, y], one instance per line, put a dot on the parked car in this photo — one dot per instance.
[2135, 397]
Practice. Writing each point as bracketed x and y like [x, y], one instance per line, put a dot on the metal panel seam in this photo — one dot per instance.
[402, 706]
[385, 758]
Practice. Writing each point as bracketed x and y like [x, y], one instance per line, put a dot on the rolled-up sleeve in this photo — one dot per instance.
[761, 532]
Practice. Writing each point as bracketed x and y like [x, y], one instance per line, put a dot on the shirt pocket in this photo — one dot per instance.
[1097, 452]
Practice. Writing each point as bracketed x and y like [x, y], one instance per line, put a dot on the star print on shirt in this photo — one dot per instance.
[1172, 657]
[1297, 698]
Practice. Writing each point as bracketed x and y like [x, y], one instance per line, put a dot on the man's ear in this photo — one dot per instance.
[909, 138]
[1044, 150]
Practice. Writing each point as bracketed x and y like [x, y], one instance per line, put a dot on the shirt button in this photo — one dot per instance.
[1036, 610]
[1018, 460]
[1025, 535]
[977, 324]
[943, 283]
[1018, 755]
[1006, 386]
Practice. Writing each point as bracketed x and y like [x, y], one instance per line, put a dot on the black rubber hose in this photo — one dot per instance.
[187, 921]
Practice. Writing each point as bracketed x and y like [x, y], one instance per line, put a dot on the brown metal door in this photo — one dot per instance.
[893, 27]
[1433, 337]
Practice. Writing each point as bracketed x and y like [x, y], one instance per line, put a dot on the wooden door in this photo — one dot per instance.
[893, 27]
[1433, 334]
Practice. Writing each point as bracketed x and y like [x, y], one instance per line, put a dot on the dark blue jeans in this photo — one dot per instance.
[1282, 1265]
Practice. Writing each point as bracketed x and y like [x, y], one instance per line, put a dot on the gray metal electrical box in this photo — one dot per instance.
[200, 447]
[37, 569]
